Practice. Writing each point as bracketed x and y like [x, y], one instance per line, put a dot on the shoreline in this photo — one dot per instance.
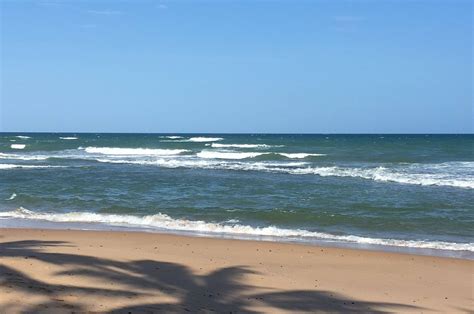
[20, 223]
[57, 270]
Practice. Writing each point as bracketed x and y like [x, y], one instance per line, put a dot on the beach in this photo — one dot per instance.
[57, 271]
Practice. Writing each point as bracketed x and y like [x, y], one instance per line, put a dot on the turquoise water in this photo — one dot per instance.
[403, 191]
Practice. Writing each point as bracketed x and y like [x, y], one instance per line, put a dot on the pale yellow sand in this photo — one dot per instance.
[53, 271]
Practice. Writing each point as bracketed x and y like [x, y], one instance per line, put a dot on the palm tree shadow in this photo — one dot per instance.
[223, 290]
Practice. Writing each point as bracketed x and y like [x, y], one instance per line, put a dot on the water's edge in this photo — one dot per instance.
[18, 223]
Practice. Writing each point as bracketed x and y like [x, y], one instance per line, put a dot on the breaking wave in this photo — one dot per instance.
[227, 155]
[17, 146]
[134, 151]
[15, 166]
[204, 139]
[165, 222]
[416, 174]
[218, 145]
[299, 155]
[22, 157]
[68, 138]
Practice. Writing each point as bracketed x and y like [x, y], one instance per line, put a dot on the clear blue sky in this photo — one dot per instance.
[237, 66]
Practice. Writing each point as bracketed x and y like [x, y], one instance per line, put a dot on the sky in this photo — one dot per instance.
[237, 66]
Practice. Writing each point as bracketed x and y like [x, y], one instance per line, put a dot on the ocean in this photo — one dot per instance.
[411, 193]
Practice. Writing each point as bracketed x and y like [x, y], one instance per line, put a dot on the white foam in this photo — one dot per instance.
[14, 166]
[299, 155]
[205, 139]
[172, 137]
[117, 151]
[218, 145]
[12, 197]
[22, 157]
[227, 155]
[207, 164]
[68, 138]
[23, 136]
[452, 176]
[408, 175]
[165, 222]
[17, 146]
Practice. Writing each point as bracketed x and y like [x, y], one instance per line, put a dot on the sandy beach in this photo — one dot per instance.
[57, 271]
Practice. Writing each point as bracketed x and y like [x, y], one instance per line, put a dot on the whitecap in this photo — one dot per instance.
[205, 139]
[68, 138]
[15, 166]
[22, 157]
[133, 151]
[227, 155]
[448, 174]
[218, 145]
[23, 136]
[300, 155]
[17, 146]
[12, 197]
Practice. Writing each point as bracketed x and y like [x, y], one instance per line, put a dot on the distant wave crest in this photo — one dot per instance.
[68, 138]
[227, 155]
[18, 166]
[219, 145]
[134, 151]
[205, 139]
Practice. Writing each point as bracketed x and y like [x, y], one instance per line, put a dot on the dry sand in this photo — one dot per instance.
[52, 271]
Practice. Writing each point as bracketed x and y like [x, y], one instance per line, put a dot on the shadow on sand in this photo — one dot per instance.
[221, 291]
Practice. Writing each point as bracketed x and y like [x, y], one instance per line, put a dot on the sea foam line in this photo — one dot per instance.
[243, 155]
[219, 145]
[17, 146]
[68, 138]
[134, 151]
[227, 155]
[16, 166]
[200, 139]
[299, 155]
[164, 222]
[380, 174]
[22, 157]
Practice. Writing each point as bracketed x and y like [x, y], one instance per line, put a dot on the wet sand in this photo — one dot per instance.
[57, 271]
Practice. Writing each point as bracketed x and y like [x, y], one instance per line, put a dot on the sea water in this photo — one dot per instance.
[405, 192]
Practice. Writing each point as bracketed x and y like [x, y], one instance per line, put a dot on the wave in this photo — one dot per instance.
[227, 155]
[218, 145]
[164, 222]
[134, 151]
[204, 139]
[243, 155]
[172, 137]
[22, 136]
[22, 157]
[383, 174]
[17, 146]
[68, 138]
[299, 155]
[16, 166]
[12, 197]
[414, 174]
